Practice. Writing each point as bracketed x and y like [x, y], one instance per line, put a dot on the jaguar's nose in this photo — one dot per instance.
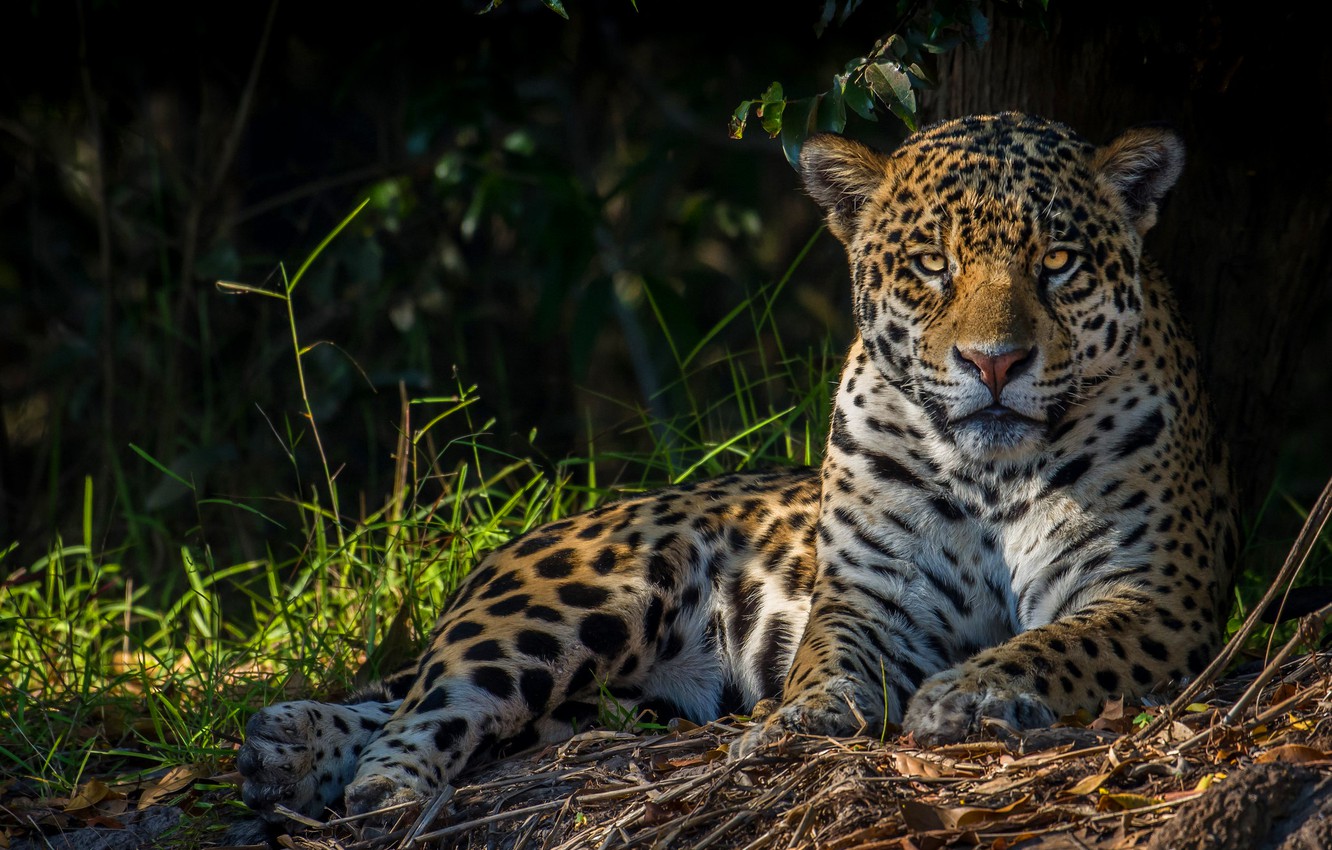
[996, 370]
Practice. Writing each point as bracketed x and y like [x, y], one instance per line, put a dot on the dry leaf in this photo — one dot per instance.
[932, 766]
[665, 764]
[1299, 724]
[1120, 802]
[174, 781]
[1113, 717]
[1113, 709]
[654, 813]
[1295, 753]
[1179, 796]
[970, 815]
[910, 765]
[1007, 782]
[1090, 783]
[1045, 757]
[972, 750]
[113, 805]
[88, 794]
[923, 817]
[1207, 781]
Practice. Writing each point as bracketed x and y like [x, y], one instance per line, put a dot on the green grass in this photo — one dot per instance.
[106, 676]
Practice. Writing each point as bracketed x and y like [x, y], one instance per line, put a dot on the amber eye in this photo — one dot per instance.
[931, 264]
[1058, 260]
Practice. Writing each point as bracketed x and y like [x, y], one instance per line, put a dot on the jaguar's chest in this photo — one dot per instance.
[1007, 537]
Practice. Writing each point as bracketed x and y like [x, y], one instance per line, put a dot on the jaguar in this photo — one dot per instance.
[1022, 510]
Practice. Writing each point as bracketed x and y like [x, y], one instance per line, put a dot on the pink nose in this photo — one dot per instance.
[996, 369]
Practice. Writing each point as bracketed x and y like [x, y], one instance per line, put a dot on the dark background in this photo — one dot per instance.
[529, 178]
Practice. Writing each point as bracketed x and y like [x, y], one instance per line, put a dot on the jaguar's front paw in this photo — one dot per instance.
[300, 755]
[828, 711]
[765, 732]
[950, 705]
[394, 793]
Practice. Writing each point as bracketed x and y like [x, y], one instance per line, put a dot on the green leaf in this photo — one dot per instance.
[859, 99]
[797, 126]
[319, 249]
[247, 289]
[771, 114]
[160, 466]
[906, 111]
[556, 6]
[891, 85]
[773, 94]
[736, 127]
[889, 82]
[918, 73]
[830, 109]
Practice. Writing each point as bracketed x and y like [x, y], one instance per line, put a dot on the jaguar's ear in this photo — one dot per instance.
[1141, 166]
[840, 175]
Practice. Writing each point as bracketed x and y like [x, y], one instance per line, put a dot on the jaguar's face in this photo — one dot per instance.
[994, 271]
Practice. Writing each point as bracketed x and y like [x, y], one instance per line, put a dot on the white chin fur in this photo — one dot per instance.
[986, 438]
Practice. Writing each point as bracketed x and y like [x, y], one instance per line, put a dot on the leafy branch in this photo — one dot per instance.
[890, 74]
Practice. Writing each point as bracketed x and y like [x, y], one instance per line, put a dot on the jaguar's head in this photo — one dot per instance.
[995, 264]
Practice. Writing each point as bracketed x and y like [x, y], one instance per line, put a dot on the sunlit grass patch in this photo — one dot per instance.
[108, 676]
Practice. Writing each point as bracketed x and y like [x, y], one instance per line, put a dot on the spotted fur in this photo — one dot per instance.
[1022, 508]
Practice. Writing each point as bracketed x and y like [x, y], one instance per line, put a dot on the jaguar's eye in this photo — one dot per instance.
[930, 264]
[1058, 260]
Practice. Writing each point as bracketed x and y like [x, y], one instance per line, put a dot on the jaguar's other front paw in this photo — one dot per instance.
[951, 705]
